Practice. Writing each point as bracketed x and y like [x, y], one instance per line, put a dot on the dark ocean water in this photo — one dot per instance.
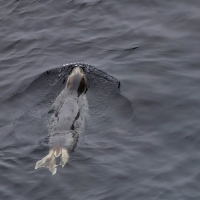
[152, 48]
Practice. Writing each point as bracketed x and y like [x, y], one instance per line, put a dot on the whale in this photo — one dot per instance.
[69, 113]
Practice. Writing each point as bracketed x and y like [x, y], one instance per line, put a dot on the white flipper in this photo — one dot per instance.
[49, 161]
[64, 157]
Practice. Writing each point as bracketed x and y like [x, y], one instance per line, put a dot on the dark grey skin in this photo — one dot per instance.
[69, 112]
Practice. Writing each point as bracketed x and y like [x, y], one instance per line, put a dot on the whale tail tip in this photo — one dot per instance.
[49, 161]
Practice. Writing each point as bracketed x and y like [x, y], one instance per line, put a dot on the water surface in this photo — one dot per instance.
[152, 48]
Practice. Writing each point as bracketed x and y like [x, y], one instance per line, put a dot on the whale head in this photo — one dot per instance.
[76, 81]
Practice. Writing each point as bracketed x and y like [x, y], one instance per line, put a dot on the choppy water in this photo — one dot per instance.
[152, 48]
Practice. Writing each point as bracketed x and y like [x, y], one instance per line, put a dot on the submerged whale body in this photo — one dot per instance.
[69, 112]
